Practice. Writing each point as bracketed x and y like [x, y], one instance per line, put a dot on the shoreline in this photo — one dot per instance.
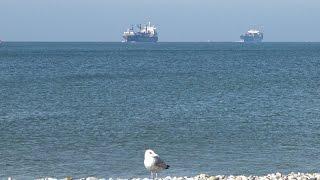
[273, 176]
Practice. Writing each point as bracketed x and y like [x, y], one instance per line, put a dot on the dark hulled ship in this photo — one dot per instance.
[148, 33]
[252, 36]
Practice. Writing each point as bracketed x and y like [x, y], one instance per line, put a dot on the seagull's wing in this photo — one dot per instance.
[160, 163]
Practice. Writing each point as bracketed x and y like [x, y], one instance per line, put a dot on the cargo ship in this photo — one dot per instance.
[148, 33]
[252, 36]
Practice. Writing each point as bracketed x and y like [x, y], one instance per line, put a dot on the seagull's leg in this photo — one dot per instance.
[156, 175]
[152, 175]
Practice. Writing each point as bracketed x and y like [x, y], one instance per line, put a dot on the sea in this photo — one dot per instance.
[92, 109]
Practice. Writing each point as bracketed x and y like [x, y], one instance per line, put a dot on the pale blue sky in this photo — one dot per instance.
[177, 20]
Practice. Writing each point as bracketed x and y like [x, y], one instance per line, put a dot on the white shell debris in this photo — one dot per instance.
[274, 176]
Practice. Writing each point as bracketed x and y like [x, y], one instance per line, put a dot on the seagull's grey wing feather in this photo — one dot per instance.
[160, 163]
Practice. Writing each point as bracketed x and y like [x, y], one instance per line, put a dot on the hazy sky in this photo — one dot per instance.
[176, 20]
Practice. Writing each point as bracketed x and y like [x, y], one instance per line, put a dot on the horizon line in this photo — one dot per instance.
[155, 42]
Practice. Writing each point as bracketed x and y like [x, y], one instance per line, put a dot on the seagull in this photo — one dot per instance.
[153, 162]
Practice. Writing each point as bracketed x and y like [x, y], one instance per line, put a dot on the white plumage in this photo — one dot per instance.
[153, 162]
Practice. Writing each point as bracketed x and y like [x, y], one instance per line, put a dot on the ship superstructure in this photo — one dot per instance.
[148, 33]
[252, 36]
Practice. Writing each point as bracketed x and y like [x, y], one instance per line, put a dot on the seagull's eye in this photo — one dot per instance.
[150, 152]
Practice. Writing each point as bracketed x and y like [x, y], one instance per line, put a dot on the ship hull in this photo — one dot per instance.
[252, 39]
[140, 38]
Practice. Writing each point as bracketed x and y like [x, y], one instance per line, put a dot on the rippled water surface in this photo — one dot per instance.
[91, 109]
